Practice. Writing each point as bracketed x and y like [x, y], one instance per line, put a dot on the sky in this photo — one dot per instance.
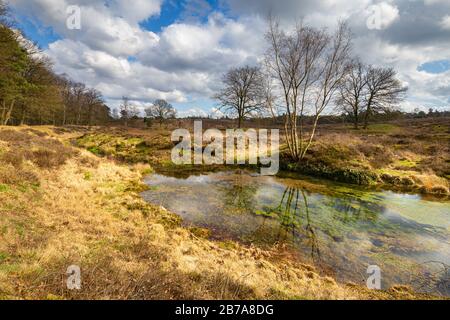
[178, 50]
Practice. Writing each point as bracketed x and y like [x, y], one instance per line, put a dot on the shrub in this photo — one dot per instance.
[47, 159]
[51, 154]
[44, 152]
[378, 155]
[13, 158]
[440, 190]
[347, 175]
[14, 136]
[407, 181]
[37, 132]
[13, 176]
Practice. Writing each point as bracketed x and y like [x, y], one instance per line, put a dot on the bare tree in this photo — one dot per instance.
[242, 93]
[93, 99]
[125, 110]
[353, 91]
[270, 100]
[79, 90]
[384, 91]
[309, 65]
[161, 110]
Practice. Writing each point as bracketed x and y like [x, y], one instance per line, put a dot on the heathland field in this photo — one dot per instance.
[71, 196]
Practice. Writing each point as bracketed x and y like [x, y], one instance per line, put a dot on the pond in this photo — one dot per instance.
[339, 228]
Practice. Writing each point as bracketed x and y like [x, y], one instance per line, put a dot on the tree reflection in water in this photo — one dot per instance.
[238, 195]
[294, 217]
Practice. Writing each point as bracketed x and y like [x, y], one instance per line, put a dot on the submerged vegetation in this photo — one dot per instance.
[337, 227]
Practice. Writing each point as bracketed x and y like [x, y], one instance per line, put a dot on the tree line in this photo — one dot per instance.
[159, 111]
[306, 70]
[32, 93]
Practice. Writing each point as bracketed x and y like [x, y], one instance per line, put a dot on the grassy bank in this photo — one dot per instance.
[62, 205]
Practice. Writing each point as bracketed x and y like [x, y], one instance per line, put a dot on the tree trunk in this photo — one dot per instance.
[22, 120]
[79, 116]
[64, 115]
[366, 118]
[313, 132]
[7, 116]
[368, 110]
[2, 116]
[90, 116]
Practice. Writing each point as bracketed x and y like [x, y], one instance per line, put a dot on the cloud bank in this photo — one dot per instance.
[115, 53]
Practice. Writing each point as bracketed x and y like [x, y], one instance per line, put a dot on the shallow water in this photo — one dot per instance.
[340, 229]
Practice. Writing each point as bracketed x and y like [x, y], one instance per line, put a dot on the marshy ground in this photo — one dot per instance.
[71, 196]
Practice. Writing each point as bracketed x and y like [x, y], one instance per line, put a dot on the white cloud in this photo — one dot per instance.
[116, 76]
[210, 47]
[112, 29]
[432, 2]
[136, 10]
[425, 89]
[445, 22]
[381, 15]
[193, 112]
[184, 60]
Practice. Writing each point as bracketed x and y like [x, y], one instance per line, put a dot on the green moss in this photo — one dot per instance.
[4, 188]
[395, 172]
[200, 232]
[20, 229]
[147, 171]
[136, 186]
[143, 207]
[441, 128]
[405, 163]
[127, 149]
[9, 268]
[87, 176]
[264, 213]
[3, 256]
[228, 245]
[95, 150]
[170, 220]
[347, 175]
[382, 128]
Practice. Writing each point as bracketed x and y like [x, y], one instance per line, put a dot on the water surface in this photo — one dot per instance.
[340, 229]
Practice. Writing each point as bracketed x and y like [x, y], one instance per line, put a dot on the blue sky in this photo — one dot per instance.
[172, 11]
[178, 50]
[34, 30]
[435, 67]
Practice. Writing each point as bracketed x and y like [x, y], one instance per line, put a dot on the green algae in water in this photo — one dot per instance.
[339, 228]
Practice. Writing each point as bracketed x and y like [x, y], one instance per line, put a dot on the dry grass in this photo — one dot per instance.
[87, 211]
[412, 157]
